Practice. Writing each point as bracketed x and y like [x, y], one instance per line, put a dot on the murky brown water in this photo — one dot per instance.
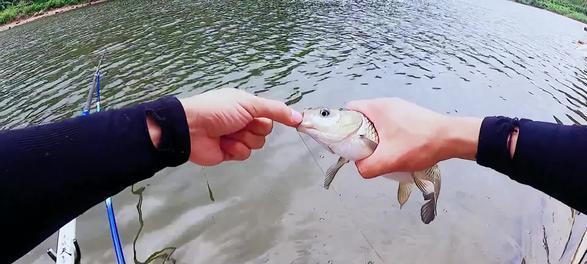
[459, 57]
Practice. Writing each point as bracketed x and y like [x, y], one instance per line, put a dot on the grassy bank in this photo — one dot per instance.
[11, 10]
[575, 9]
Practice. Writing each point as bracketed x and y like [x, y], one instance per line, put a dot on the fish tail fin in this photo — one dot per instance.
[437, 179]
[428, 211]
[331, 172]
[404, 189]
[428, 181]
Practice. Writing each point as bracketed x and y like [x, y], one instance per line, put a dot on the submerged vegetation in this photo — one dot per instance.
[11, 10]
[575, 9]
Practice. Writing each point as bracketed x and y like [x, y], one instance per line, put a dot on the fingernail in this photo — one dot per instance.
[296, 116]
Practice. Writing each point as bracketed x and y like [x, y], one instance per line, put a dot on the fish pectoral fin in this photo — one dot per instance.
[370, 143]
[428, 211]
[427, 187]
[404, 189]
[331, 172]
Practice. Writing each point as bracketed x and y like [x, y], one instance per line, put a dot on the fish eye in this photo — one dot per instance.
[324, 112]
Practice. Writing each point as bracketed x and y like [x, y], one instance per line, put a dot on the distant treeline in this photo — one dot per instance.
[575, 9]
[14, 9]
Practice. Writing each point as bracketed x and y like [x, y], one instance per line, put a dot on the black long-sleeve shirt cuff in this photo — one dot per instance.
[52, 173]
[174, 145]
[548, 157]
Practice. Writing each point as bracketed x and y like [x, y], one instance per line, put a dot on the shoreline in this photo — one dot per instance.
[51, 12]
[567, 15]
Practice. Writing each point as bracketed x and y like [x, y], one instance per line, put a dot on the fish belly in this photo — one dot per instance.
[352, 148]
[399, 176]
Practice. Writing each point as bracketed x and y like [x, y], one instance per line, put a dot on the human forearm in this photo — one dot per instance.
[52, 173]
[547, 156]
[458, 137]
[55, 172]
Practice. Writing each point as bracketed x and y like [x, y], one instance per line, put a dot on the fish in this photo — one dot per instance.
[352, 136]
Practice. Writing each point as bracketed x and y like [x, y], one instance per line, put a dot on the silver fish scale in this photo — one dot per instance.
[369, 130]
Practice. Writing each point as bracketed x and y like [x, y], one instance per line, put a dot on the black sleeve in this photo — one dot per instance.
[52, 173]
[549, 157]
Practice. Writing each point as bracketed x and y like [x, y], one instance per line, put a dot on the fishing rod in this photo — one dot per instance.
[68, 251]
[94, 87]
[109, 208]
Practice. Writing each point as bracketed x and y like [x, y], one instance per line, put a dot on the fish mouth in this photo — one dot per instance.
[304, 128]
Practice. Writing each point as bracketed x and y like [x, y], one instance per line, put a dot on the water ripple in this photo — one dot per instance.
[288, 49]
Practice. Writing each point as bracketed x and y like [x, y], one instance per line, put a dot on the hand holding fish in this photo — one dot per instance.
[413, 138]
[392, 138]
[229, 123]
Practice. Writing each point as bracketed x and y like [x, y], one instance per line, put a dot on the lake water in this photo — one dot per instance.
[458, 57]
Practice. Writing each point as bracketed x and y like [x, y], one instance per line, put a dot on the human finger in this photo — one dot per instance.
[234, 149]
[260, 126]
[272, 109]
[252, 141]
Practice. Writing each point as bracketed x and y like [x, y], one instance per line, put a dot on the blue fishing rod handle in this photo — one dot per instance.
[114, 232]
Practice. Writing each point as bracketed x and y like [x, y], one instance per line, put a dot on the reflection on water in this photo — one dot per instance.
[458, 57]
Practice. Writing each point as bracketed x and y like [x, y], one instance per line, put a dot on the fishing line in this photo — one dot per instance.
[342, 204]
[315, 160]
[163, 254]
[311, 154]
